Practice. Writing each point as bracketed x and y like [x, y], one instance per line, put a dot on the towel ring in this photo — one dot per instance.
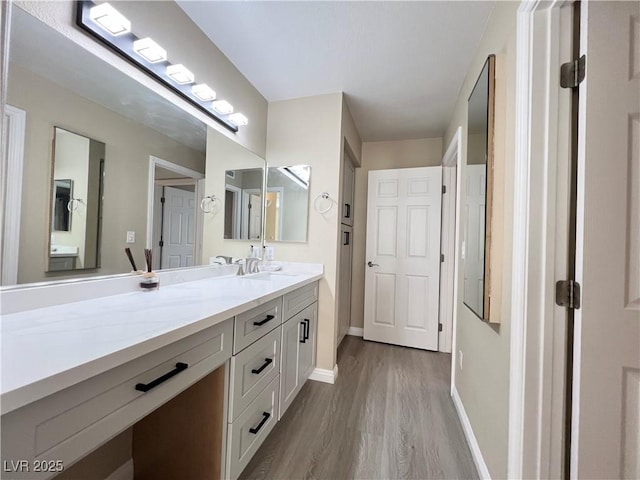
[73, 204]
[324, 196]
[208, 203]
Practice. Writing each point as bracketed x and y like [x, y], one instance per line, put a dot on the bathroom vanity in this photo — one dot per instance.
[77, 374]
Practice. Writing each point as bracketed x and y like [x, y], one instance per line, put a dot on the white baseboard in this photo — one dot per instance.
[478, 459]
[123, 472]
[356, 331]
[326, 376]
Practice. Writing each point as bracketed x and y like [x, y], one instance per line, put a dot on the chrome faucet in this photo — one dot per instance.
[247, 266]
[251, 265]
[227, 260]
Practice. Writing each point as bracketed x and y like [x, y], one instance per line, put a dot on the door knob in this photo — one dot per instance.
[372, 264]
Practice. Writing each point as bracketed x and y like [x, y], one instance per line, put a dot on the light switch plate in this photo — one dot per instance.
[131, 237]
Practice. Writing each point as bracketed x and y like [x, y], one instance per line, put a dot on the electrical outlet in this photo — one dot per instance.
[460, 358]
[131, 237]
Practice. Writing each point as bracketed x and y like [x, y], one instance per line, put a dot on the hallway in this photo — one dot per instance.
[389, 415]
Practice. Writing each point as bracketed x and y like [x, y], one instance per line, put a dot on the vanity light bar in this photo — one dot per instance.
[222, 106]
[150, 50]
[203, 92]
[113, 29]
[110, 19]
[238, 119]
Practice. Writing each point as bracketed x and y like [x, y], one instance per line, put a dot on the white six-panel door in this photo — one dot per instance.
[402, 282]
[606, 412]
[178, 228]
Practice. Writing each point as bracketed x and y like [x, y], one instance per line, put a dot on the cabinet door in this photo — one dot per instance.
[289, 371]
[348, 183]
[307, 352]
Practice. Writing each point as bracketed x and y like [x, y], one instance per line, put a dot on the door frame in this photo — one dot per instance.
[198, 179]
[246, 194]
[450, 247]
[11, 198]
[237, 210]
[538, 334]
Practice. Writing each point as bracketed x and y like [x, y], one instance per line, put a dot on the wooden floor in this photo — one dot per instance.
[389, 416]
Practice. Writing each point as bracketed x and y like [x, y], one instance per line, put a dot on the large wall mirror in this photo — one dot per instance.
[287, 203]
[477, 211]
[76, 202]
[79, 212]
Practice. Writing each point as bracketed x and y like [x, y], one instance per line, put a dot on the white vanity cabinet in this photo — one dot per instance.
[298, 343]
[71, 423]
[278, 362]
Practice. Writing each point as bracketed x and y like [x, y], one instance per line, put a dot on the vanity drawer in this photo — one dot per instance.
[296, 301]
[251, 325]
[252, 370]
[248, 431]
[67, 425]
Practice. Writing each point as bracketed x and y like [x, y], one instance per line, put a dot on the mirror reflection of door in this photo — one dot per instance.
[174, 219]
[178, 226]
[287, 206]
[273, 221]
[62, 196]
[251, 214]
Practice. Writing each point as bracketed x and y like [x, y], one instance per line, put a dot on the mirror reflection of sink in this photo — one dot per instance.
[64, 251]
[268, 276]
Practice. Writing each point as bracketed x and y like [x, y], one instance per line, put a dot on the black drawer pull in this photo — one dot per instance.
[267, 362]
[304, 332]
[145, 387]
[306, 328]
[261, 424]
[262, 322]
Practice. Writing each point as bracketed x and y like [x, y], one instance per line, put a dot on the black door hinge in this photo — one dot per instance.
[444, 189]
[568, 294]
[162, 199]
[572, 73]
[439, 327]
[441, 257]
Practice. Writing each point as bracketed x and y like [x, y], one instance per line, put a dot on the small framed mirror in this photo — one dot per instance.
[287, 203]
[479, 185]
[76, 202]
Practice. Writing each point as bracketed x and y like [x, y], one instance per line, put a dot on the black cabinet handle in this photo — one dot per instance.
[306, 328]
[267, 362]
[348, 210]
[145, 387]
[346, 238]
[255, 430]
[262, 322]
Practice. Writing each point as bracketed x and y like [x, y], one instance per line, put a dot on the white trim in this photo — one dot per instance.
[455, 146]
[123, 472]
[325, 376]
[539, 245]
[449, 247]
[237, 201]
[179, 169]
[355, 331]
[12, 168]
[476, 454]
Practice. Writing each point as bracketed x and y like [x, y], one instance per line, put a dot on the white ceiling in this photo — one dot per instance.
[401, 64]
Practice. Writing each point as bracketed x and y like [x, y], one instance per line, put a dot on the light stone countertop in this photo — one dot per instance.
[48, 349]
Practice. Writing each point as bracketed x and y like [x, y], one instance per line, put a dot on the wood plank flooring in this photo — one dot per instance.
[389, 416]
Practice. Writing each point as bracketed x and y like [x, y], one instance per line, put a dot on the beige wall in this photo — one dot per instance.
[224, 154]
[128, 147]
[186, 43]
[308, 131]
[483, 383]
[378, 156]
